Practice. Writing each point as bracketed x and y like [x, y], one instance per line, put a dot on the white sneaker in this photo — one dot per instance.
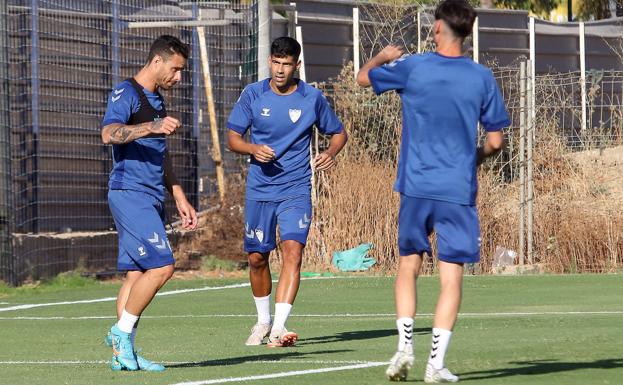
[258, 333]
[399, 366]
[281, 338]
[438, 376]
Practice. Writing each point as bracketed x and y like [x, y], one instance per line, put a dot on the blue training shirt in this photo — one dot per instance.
[443, 99]
[137, 165]
[284, 123]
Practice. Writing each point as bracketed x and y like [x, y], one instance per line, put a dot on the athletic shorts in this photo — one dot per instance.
[293, 216]
[457, 228]
[140, 220]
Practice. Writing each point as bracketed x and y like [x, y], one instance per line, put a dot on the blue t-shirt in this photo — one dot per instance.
[137, 165]
[284, 123]
[443, 99]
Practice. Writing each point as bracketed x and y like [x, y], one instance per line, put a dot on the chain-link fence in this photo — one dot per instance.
[58, 62]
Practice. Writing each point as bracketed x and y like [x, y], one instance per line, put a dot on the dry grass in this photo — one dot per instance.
[577, 221]
[578, 218]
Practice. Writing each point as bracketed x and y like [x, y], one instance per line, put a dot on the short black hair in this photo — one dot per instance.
[458, 14]
[285, 46]
[167, 46]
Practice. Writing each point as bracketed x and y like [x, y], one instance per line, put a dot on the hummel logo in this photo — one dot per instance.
[115, 98]
[265, 112]
[303, 223]
[248, 234]
[155, 241]
[141, 251]
[117, 92]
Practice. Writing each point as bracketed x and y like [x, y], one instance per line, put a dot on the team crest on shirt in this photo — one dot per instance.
[259, 234]
[294, 114]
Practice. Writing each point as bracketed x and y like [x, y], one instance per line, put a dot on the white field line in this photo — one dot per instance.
[107, 362]
[342, 315]
[284, 374]
[161, 294]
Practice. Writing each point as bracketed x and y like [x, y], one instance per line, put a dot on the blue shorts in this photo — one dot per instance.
[457, 228]
[140, 219]
[261, 218]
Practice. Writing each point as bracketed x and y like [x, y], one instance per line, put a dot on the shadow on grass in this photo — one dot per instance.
[358, 335]
[288, 354]
[528, 368]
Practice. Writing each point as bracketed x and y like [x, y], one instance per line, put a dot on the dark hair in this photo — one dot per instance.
[458, 14]
[167, 46]
[285, 46]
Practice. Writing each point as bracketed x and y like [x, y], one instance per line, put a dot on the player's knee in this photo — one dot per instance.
[257, 261]
[292, 259]
[164, 273]
[410, 264]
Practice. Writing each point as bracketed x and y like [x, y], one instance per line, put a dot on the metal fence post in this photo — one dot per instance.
[356, 41]
[34, 104]
[197, 112]
[583, 74]
[475, 41]
[7, 268]
[419, 31]
[263, 38]
[116, 43]
[522, 160]
[529, 144]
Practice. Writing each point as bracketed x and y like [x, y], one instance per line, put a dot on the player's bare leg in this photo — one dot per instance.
[448, 304]
[261, 286]
[146, 287]
[289, 281]
[259, 274]
[405, 292]
[290, 277]
[124, 292]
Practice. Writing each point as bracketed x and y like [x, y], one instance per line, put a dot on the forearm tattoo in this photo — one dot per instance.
[121, 134]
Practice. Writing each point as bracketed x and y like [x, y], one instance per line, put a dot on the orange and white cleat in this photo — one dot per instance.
[281, 338]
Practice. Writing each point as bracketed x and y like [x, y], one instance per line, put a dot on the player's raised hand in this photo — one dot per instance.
[323, 161]
[166, 126]
[391, 53]
[262, 153]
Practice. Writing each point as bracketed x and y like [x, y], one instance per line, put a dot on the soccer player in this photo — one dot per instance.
[136, 124]
[280, 112]
[444, 95]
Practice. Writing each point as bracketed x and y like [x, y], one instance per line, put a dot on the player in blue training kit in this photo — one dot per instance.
[280, 113]
[444, 95]
[136, 124]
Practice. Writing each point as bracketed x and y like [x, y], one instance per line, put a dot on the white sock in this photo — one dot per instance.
[126, 322]
[282, 311]
[405, 333]
[262, 304]
[441, 340]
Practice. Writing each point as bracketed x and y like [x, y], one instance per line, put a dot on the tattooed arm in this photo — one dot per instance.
[118, 133]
